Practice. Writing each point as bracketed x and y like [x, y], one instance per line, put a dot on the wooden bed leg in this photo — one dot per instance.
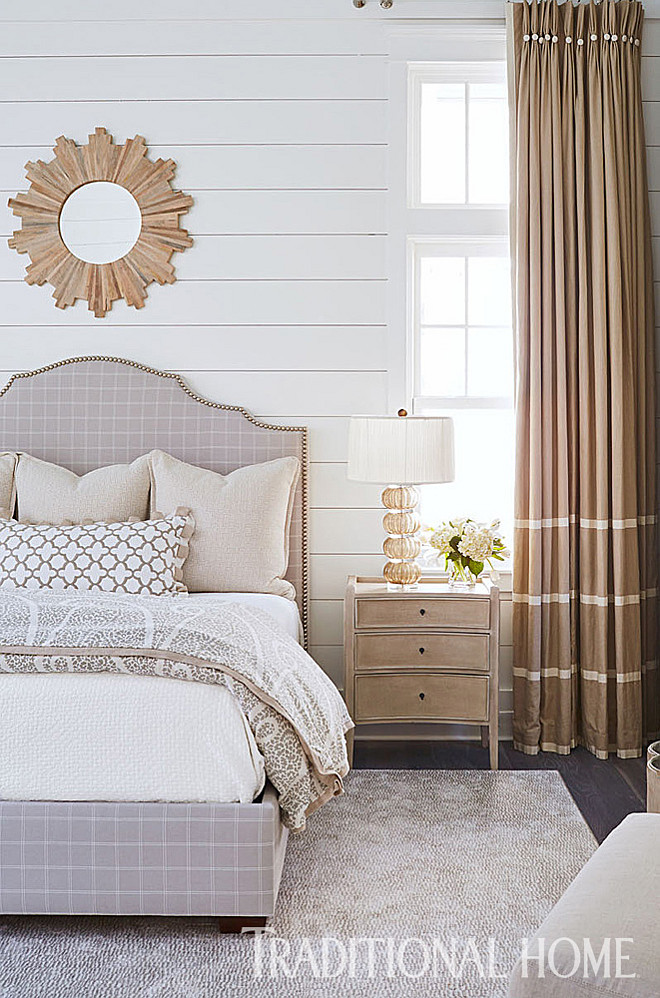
[484, 736]
[238, 923]
[350, 738]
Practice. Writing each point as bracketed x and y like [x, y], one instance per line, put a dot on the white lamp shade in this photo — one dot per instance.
[401, 450]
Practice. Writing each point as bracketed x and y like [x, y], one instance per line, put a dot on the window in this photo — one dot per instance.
[459, 284]
[459, 128]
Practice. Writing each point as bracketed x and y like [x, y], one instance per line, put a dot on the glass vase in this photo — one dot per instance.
[461, 578]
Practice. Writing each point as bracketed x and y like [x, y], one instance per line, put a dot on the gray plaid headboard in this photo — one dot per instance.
[87, 412]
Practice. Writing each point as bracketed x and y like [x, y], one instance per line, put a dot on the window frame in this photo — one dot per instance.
[469, 229]
[425, 246]
[464, 72]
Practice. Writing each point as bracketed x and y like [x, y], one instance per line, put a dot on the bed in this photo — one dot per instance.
[170, 855]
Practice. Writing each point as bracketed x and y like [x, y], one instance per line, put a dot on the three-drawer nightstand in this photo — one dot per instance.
[429, 654]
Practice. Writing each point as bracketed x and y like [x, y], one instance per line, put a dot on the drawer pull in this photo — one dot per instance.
[422, 612]
[421, 696]
[421, 651]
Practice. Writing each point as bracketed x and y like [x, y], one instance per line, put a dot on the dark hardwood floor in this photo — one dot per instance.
[605, 791]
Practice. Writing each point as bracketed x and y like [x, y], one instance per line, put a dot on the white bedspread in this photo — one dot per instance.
[124, 738]
[131, 738]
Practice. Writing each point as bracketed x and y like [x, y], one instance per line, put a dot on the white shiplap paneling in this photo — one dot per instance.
[224, 166]
[271, 212]
[105, 37]
[226, 348]
[191, 303]
[264, 258]
[189, 122]
[201, 77]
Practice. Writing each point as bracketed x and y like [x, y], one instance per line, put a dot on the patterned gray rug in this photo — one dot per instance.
[414, 883]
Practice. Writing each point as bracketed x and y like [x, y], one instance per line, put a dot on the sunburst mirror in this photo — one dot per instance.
[100, 222]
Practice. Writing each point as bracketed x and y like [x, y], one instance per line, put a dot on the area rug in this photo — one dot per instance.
[416, 883]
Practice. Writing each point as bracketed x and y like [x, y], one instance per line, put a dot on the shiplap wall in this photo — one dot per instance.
[277, 116]
[277, 120]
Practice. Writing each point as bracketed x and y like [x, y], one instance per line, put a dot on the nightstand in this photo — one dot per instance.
[429, 654]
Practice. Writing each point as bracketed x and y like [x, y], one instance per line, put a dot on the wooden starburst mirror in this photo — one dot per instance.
[100, 222]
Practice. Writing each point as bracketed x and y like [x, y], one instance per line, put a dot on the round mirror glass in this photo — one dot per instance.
[100, 222]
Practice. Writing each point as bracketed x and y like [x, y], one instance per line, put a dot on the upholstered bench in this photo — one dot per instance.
[611, 911]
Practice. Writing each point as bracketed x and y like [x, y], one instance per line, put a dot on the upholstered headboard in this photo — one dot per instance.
[87, 412]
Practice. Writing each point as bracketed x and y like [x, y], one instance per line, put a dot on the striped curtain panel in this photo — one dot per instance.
[585, 559]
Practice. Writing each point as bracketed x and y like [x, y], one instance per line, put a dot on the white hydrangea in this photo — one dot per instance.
[440, 539]
[476, 542]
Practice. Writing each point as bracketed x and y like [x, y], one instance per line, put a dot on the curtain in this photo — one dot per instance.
[584, 589]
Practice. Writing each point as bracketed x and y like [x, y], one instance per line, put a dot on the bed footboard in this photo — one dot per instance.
[99, 858]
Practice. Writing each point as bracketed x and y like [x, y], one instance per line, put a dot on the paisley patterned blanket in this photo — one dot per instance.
[295, 711]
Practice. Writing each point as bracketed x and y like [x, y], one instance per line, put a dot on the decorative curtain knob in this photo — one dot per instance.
[359, 3]
[386, 4]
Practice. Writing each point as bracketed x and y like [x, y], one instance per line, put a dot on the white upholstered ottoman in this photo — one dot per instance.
[607, 920]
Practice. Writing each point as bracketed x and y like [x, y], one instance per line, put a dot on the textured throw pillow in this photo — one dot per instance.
[7, 485]
[137, 558]
[47, 493]
[242, 522]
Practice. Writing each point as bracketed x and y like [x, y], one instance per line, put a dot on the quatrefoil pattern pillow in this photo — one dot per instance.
[145, 557]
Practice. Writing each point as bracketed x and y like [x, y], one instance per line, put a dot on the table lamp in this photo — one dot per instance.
[401, 452]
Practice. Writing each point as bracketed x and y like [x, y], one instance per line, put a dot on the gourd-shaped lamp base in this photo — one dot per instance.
[402, 545]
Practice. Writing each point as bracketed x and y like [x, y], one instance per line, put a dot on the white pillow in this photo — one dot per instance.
[242, 522]
[7, 484]
[47, 493]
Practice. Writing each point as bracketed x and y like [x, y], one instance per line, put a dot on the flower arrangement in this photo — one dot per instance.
[467, 547]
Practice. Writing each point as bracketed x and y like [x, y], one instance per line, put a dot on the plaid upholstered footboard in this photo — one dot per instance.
[141, 859]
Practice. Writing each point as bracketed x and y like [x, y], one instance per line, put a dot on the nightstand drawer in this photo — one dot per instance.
[432, 613]
[421, 650]
[417, 696]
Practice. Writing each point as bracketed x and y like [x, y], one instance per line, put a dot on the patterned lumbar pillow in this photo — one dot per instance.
[144, 557]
